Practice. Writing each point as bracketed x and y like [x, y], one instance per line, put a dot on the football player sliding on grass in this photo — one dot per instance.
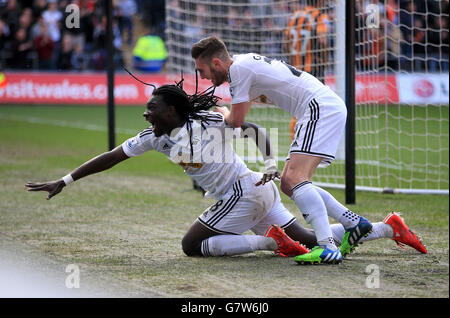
[201, 142]
[321, 122]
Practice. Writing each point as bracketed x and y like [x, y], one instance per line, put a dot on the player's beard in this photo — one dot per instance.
[218, 77]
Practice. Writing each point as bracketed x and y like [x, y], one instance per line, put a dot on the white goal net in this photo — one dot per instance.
[402, 107]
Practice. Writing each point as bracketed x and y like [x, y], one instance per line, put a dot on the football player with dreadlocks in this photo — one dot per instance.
[322, 116]
[186, 132]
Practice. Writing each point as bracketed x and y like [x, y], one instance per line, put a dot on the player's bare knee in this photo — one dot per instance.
[286, 185]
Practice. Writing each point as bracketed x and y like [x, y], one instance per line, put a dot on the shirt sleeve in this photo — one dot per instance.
[241, 78]
[142, 142]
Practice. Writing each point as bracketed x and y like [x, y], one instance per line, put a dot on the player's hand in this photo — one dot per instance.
[222, 109]
[271, 172]
[52, 187]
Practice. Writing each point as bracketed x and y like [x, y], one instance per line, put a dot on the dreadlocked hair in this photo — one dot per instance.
[190, 107]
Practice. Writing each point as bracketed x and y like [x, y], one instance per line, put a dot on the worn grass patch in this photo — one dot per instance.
[126, 225]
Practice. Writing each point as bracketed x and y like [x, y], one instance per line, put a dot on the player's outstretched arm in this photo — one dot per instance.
[262, 140]
[100, 163]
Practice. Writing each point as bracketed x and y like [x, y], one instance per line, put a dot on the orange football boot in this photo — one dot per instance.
[402, 234]
[287, 247]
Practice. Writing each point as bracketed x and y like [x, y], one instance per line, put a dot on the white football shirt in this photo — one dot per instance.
[252, 75]
[214, 165]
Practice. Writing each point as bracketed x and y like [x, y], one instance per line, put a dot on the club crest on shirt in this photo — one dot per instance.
[131, 143]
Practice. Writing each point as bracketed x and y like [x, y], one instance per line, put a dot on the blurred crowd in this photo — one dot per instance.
[42, 34]
[250, 26]
[410, 35]
[413, 35]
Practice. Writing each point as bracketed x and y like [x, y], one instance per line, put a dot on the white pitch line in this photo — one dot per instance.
[64, 123]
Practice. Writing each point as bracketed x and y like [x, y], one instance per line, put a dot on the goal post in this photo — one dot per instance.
[401, 77]
[350, 175]
[402, 120]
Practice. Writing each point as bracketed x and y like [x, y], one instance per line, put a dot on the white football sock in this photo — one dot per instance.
[379, 230]
[338, 232]
[337, 211]
[227, 245]
[314, 211]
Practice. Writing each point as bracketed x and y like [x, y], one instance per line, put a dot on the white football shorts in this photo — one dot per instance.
[247, 207]
[319, 131]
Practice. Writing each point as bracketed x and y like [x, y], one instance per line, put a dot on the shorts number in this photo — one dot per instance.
[215, 206]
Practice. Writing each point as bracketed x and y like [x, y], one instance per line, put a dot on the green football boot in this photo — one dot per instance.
[353, 235]
[320, 255]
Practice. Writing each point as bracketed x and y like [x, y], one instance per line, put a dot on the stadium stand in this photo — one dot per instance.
[34, 35]
[21, 22]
